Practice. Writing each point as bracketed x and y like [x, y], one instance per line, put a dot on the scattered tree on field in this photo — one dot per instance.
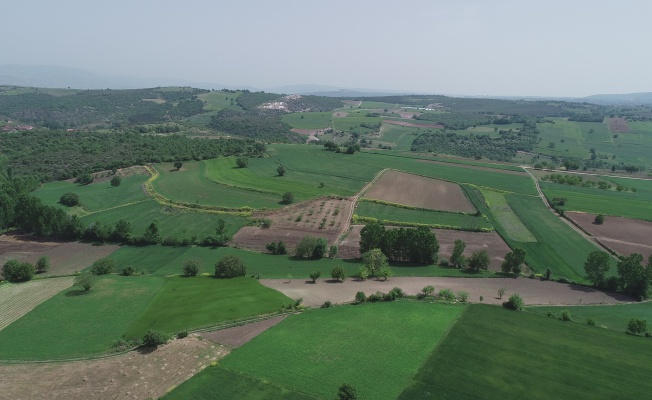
[599, 219]
[311, 247]
[230, 266]
[374, 260]
[280, 170]
[86, 281]
[69, 199]
[515, 302]
[501, 292]
[16, 271]
[462, 296]
[43, 264]
[636, 326]
[360, 297]
[178, 165]
[332, 251]
[116, 181]
[363, 273]
[191, 267]
[103, 266]
[129, 270]
[428, 290]
[513, 262]
[479, 260]
[154, 339]
[242, 162]
[385, 272]
[596, 267]
[288, 198]
[633, 278]
[457, 258]
[315, 275]
[347, 392]
[338, 273]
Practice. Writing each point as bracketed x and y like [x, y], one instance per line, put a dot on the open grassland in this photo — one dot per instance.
[344, 344]
[217, 383]
[190, 303]
[354, 120]
[218, 100]
[506, 217]
[17, 299]
[96, 196]
[385, 212]
[172, 221]
[610, 202]
[417, 191]
[396, 136]
[613, 317]
[308, 120]
[190, 185]
[558, 246]
[493, 353]
[73, 324]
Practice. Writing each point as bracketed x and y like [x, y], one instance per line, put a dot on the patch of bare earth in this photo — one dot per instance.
[618, 125]
[500, 171]
[135, 375]
[65, 257]
[418, 191]
[325, 217]
[413, 125]
[349, 246]
[340, 114]
[239, 335]
[622, 235]
[533, 291]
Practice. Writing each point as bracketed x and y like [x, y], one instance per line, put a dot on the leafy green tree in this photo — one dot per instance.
[457, 258]
[191, 267]
[116, 181]
[155, 339]
[363, 273]
[152, 235]
[129, 270]
[280, 170]
[86, 281]
[178, 165]
[320, 249]
[287, 198]
[338, 273]
[637, 326]
[596, 267]
[501, 292]
[332, 251]
[16, 271]
[84, 179]
[599, 219]
[230, 266]
[360, 297]
[103, 266]
[69, 199]
[428, 290]
[479, 260]
[374, 260]
[347, 392]
[371, 236]
[121, 231]
[315, 275]
[634, 279]
[515, 302]
[43, 264]
[242, 162]
[513, 262]
[385, 272]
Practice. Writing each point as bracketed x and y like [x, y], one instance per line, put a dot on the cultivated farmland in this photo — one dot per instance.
[417, 191]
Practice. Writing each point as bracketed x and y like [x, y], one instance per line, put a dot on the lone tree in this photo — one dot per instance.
[599, 219]
[637, 326]
[515, 302]
[479, 260]
[596, 267]
[116, 181]
[85, 281]
[457, 258]
[315, 275]
[338, 273]
[103, 266]
[513, 262]
[230, 267]
[634, 279]
[288, 198]
[374, 260]
[242, 162]
[280, 170]
[191, 267]
[178, 165]
[43, 264]
[347, 392]
[69, 199]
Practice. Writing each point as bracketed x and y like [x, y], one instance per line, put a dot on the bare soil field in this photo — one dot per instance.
[349, 247]
[17, 299]
[412, 124]
[533, 291]
[340, 114]
[500, 171]
[65, 257]
[135, 375]
[325, 217]
[618, 125]
[239, 335]
[622, 235]
[414, 190]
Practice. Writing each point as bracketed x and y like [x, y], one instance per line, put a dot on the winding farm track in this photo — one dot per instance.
[354, 199]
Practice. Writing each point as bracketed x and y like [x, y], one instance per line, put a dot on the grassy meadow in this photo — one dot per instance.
[506, 217]
[613, 317]
[308, 120]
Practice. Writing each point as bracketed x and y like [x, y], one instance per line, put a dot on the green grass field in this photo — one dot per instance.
[320, 349]
[506, 217]
[613, 317]
[218, 100]
[308, 120]
[217, 383]
[190, 303]
[493, 353]
[398, 214]
[397, 137]
[190, 185]
[351, 123]
[71, 325]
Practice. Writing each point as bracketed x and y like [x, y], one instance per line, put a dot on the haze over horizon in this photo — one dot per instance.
[469, 47]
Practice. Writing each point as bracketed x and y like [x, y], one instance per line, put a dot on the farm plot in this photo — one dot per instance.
[622, 235]
[17, 300]
[135, 375]
[239, 335]
[326, 217]
[618, 125]
[417, 191]
[614, 317]
[509, 221]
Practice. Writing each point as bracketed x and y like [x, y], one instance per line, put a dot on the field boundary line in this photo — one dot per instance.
[354, 201]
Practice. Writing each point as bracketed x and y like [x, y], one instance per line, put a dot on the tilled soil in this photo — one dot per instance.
[239, 335]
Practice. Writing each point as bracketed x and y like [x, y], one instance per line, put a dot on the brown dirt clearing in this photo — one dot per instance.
[135, 375]
[618, 125]
[533, 291]
[418, 191]
[239, 335]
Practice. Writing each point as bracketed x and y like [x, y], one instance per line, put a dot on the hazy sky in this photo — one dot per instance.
[483, 47]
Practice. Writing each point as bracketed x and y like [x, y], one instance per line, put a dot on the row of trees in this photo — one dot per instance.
[417, 245]
[633, 277]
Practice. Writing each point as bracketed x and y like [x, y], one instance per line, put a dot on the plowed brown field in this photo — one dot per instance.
[418, 191]
[618, 125]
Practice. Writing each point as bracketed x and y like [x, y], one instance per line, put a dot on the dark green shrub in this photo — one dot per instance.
[637, 326]
[154, 339]
[170, 241]
[398, 292]
[230, 266]
[590, 321]
[182, 334]
[16, 271]
[103, 266]
[288, 198]
[128, 270]
[375, 297]
[191, 267]
[69, 199]
[347, 392]
[565, 315]
[446, 294]
[85, 281]
[315, 275]
[338, 273]
[515, 302]
[360, 297]
[327, 304]
[43, 264]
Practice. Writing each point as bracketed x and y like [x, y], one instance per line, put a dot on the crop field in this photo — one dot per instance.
[218, 100]
[613, 317]
[618, 125]
[417, 191]
[388, 213]
[507, 219]
[343, 344]
[353, 120]
[622, 235]
[558, 246]
[598, 201]
[469, 365]
[17, 299]
[190, 303]
[396, 136]
[308, 120]
[72, 324]
[190, 185]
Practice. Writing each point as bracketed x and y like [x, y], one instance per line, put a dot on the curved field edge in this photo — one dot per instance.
[342, 344]
[613, 317]
[17, 299]
[481, 355]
